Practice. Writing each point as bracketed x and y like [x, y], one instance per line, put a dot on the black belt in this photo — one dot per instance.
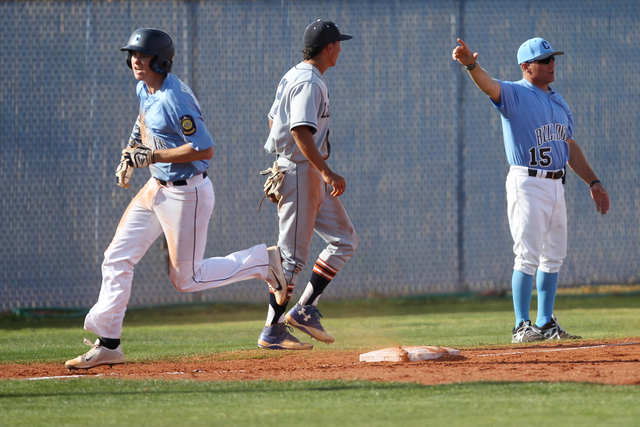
[178, 182]
[548, 174]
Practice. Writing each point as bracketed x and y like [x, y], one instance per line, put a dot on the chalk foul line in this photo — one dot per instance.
[556, 349]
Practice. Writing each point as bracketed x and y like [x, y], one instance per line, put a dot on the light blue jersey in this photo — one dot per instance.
[171, 118]
[535, 126]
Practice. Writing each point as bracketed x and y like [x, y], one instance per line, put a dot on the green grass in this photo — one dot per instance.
[178, 332]
[106, 402]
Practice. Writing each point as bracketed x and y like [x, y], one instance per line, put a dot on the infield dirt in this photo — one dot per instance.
[603, 362]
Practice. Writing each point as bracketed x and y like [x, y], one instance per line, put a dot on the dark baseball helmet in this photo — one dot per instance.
[152, 42]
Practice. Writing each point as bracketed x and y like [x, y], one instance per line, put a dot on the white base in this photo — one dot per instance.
[408, 354]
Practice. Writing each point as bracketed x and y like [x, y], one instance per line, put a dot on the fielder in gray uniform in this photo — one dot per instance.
[538, 136]
[308, 197]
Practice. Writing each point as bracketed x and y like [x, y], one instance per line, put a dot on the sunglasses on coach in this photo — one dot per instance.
[546, 60]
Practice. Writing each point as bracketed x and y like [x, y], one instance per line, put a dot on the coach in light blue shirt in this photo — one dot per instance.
[538, 134]
[536, 124]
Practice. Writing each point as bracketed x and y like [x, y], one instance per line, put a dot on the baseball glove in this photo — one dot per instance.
[123, 172]
[273, 183]
[138, 156]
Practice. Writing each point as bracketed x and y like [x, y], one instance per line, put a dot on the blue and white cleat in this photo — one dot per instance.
[307, 319]
[277, 337]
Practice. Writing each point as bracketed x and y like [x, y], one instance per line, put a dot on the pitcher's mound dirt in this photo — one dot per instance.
[605, 362]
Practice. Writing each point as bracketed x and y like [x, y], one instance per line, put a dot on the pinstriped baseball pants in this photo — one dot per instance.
[308, 206]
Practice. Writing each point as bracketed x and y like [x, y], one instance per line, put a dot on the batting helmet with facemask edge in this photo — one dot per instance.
[152, 42]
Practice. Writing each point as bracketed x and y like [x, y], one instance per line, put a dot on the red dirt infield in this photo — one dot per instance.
[603, 362]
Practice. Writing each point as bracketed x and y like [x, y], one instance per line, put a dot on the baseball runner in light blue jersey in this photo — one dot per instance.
[538, 134]
[308, 196]
[171, 139]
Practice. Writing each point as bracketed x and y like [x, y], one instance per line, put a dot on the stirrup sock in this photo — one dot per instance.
[276, 312]
[321, 276]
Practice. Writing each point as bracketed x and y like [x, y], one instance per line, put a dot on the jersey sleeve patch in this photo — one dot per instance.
[188, 125]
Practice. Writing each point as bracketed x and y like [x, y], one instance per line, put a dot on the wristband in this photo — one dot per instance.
[471, 66]
[594, 183]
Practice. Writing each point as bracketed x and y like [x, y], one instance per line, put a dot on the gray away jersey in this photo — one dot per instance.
[302, 99]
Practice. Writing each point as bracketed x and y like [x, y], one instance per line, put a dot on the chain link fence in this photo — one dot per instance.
[419, 145]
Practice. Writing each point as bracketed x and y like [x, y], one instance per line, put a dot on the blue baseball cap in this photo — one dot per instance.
[535, 49]
[320, 33]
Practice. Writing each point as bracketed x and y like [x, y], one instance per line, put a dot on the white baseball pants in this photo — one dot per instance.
[182, 213]
[538, 221]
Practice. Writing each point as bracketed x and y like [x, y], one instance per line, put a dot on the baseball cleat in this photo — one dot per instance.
[275, 278]
[307, 319]
[98, 355]
[278, 337]
[525, 333]
[553, 331]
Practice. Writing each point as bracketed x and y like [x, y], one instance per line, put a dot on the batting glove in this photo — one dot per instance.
[139, 156]
[123, 172]
[273, 183]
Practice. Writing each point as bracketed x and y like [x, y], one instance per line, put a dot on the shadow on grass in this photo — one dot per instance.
[105, 387]
[118, 387]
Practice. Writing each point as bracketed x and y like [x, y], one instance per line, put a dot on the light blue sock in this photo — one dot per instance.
[521, 286]
[547, 285]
